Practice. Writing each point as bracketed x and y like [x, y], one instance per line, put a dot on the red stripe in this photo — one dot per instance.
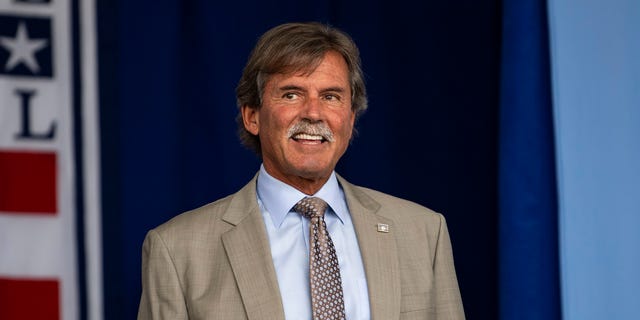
[28, 182]
[29, 299]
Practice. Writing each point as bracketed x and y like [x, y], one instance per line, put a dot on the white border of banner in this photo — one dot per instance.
[91, 147]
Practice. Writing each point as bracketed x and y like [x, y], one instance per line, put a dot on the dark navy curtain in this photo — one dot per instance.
[168, 70]
[529, 269]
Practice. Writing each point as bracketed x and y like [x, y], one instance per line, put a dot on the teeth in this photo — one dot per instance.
[304, 136]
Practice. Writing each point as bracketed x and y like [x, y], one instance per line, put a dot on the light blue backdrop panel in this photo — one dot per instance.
[595, 49]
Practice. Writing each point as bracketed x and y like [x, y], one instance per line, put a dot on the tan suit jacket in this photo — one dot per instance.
[215, 262]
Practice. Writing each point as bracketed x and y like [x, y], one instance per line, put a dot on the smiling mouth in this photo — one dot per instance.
[310, 133]
[308, 138]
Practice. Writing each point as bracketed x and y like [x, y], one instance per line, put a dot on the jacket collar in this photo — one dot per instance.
[247, 246]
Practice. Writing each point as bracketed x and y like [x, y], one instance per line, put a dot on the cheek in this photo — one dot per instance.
[271, 125]
[280, 122]
[347, 126]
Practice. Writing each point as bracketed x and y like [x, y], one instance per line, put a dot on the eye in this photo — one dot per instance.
[290, 96]
[331, 97]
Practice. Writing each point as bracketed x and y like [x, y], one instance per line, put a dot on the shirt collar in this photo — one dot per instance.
[278, 197]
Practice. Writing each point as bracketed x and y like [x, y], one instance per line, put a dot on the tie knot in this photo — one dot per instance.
[310, 207]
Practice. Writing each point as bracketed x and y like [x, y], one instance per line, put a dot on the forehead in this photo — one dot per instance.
[330, 69]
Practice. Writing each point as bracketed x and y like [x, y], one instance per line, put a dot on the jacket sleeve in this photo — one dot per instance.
[448, 300]
[162, 295]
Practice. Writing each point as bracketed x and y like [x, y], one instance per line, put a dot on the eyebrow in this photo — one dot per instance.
[330, 89]
[290, 87]
[334, 89]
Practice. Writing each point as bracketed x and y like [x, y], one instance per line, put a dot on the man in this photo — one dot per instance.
[298, 241]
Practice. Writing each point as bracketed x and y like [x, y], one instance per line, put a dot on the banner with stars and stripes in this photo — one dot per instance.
[50, 260]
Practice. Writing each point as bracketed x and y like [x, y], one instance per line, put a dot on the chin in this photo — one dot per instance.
[313, 171]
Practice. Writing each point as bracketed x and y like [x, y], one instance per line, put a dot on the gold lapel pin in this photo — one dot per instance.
[382, 227]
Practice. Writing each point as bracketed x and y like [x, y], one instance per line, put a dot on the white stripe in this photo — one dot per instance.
[93, 229]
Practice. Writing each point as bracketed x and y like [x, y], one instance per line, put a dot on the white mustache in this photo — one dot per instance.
[315, 129]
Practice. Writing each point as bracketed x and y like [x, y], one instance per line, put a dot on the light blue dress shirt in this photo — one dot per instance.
[288, 235]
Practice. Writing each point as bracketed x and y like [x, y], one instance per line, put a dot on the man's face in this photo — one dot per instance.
[305, 122]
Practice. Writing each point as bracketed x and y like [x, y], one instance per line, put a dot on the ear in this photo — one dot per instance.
[251, 119]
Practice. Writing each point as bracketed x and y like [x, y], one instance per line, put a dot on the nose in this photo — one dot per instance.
[313, 110]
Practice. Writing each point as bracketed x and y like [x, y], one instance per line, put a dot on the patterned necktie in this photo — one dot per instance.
[324, 272]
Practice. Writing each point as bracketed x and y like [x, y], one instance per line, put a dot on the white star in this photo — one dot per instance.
[23, 49]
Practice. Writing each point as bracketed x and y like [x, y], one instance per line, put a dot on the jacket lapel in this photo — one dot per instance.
[247, 247]
[378, 251]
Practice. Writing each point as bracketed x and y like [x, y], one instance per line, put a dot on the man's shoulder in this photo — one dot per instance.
[212, 214]
[199, 216]
[392, 206]
[413, 219]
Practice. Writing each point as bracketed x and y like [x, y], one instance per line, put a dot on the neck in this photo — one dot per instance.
[308, 185]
